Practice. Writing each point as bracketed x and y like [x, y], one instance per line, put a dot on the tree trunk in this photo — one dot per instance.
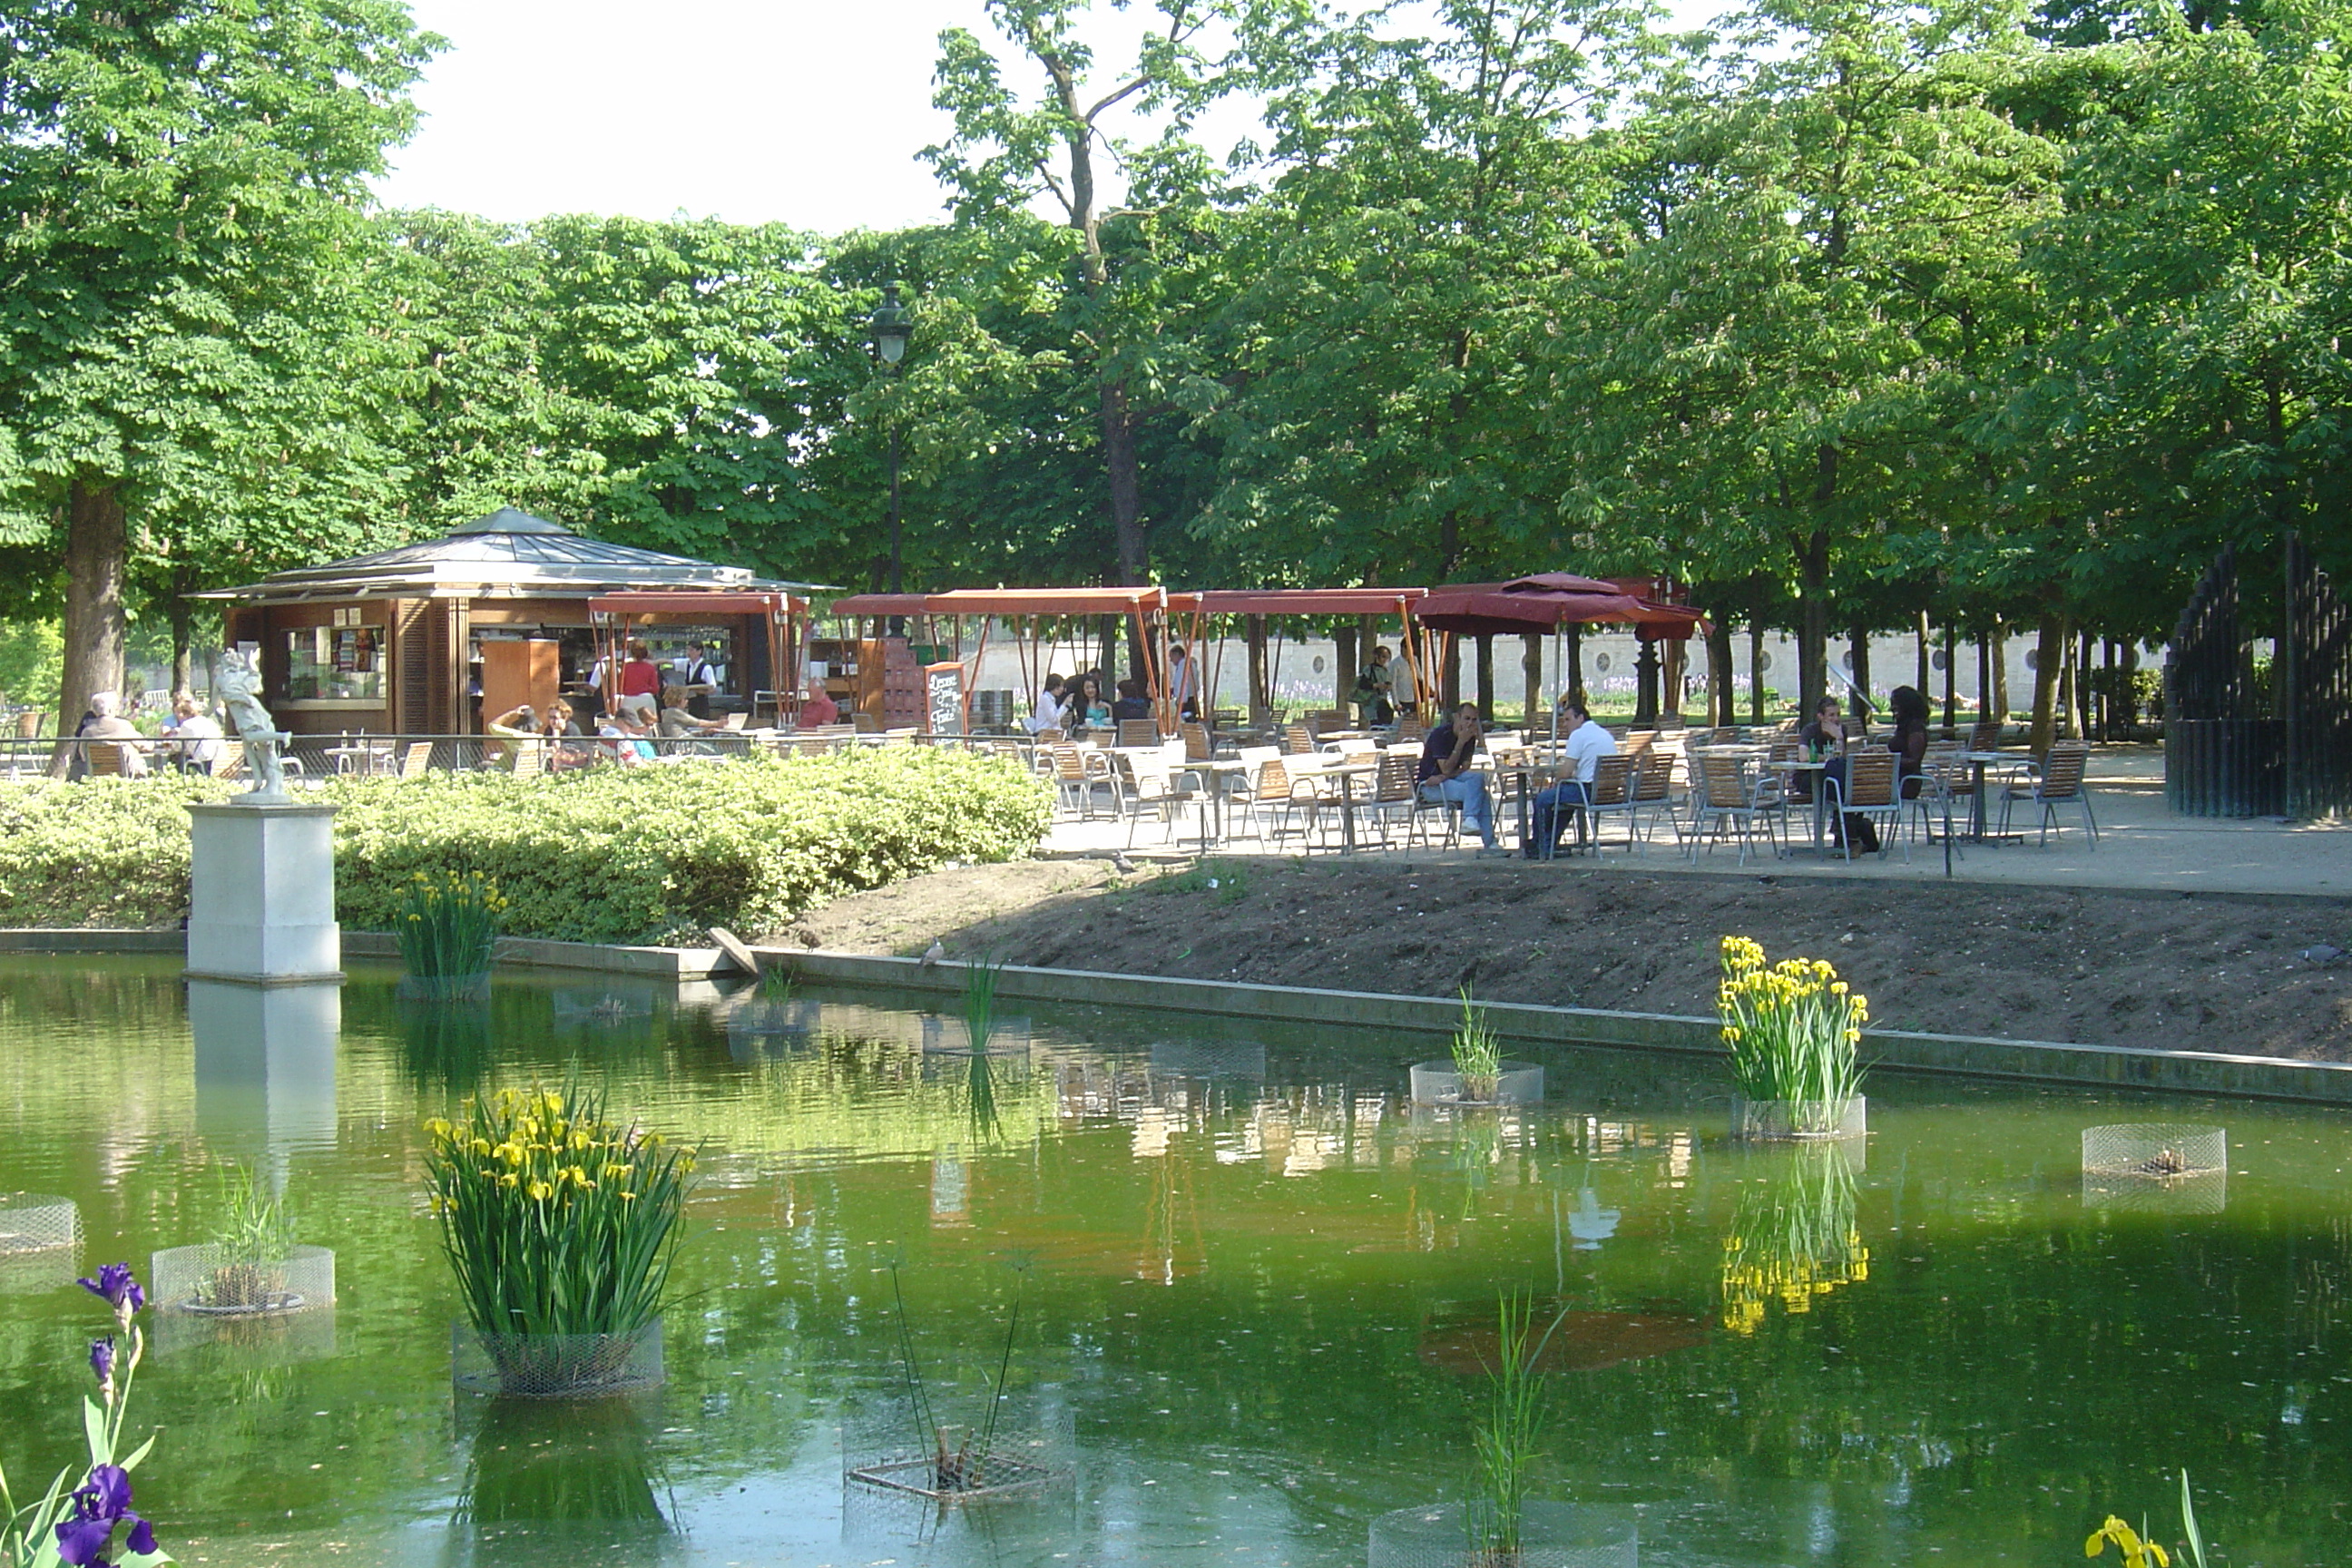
[2051, 638]
[183, 613]
[1343, 671]
[1858, 661]
[2000, 671]
[1951, 679]
[1486, 678]
[1449, 686]
[1924, 684]
[1984, 672]
[1813, 624]
[1571, 680]
[1261, 701]
[1721, 708]
[2086, 697]
[98, 549]
[2065, 680]
[1756, 669]
[1531, 666]
[1674, 677]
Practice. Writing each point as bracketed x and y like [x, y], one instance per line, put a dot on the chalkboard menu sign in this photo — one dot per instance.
[944, 698]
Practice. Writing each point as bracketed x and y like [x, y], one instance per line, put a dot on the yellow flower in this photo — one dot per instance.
[628, 1197]
[481, 1147]
[436, 1129]
[580, 1140]
[541, 1192]
[509, 1181]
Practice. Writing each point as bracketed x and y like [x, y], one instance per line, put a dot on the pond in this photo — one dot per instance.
[1241, 1290]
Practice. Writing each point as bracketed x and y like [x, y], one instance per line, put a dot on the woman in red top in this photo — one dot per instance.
[640, 677]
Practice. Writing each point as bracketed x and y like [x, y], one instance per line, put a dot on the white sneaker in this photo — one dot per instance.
[1495, 852]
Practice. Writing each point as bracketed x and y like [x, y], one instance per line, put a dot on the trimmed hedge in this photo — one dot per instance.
[602, 855]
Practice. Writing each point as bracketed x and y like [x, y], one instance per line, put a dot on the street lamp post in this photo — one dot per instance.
[891, 326]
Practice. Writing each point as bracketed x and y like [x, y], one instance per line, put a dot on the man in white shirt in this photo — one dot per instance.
[1183, 682]
[1586, 745]
[1047, 714]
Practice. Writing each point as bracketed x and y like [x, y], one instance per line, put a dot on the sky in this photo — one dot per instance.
[806, 112]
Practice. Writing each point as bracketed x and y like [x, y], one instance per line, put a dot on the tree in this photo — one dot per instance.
[179, 185]
[1010, 150]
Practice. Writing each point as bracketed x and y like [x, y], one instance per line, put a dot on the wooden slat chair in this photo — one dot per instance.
[1985, 735]
[101, 759]
[1297, 739]
[2058, 781]
[1078, 774]
[1139, 732]
[1870, 792]
[1728, 799]
[1199, 746]
[1654, 794]
[1147, 780]
[1612, 794]
[1392, 793]
[1942, 792]
[230, 764]
[1412, 727]
[416, 760]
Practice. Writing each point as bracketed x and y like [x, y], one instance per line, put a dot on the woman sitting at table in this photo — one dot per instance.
[1089, 708]
[1910, 742]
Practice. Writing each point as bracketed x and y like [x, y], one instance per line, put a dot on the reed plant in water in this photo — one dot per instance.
[979, 1022]
[447, 925]
[1793, 1030]
[1477, 1053]
[249, 1247]
[556, 1220]
[1505, 1434]
[959, 1459]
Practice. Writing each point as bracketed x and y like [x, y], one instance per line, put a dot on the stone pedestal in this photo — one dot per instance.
[262, 908]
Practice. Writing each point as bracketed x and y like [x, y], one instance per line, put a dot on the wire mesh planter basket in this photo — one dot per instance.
[2160, 1166]
[1208, 1059]
[37, 1222]
[443, 987]
[212, 1281]
[793, 1018]
[1436, 1083]
[1778, 1119]
[951, 1037]
[1552, 1535]
[556, 1366]
[1024, 1457]
[601, 1009]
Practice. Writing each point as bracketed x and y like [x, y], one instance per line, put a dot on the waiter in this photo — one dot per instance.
[699, 677]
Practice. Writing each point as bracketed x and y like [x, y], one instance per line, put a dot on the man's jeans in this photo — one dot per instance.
[1552, 814]
[1469, 791]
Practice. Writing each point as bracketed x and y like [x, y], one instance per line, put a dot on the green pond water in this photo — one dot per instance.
[1254, 1284]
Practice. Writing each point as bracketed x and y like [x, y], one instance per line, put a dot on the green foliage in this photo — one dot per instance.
[448, 925]
[1792, 1032]
[601, 854]
[1477, 1053]
[556, 1220]
[1506, 1431]
[1228, 880]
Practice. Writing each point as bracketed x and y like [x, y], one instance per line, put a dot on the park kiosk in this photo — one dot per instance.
[432, 638]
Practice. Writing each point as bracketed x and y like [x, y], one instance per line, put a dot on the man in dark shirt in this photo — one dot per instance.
[1131, 703]
[1446, 774]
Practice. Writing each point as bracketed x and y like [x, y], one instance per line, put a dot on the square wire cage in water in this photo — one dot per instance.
[1025, 1454]
[1208, 1059]
[1552, 1535]
[1773, 1119]
[209, 1280]
[556, 1366]
[1436, 1083]
[2157, 1166]
[37, 1222]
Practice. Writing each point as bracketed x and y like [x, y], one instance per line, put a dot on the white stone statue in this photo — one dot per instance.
[238, 684]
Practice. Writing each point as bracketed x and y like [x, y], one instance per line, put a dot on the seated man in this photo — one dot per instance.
[1587, 742]
[1446, 774]
[818, 708]
[1132, 703]
[105, 722]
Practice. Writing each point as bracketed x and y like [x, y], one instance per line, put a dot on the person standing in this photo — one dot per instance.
[1587, 744]
[1446, 774]
[1183, 682]
[641, 681]
[699, 675]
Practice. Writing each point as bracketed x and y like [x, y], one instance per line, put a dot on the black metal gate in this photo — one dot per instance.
[2236, 744]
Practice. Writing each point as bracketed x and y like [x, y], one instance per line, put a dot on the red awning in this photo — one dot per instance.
[1544, 602]
[879, 605]
[690, 604]
[1296, 601]
[1115, 601]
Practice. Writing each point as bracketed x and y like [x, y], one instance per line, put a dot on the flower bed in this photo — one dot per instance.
[602, 855]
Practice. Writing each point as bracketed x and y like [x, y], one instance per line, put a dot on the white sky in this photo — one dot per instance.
[797, 111]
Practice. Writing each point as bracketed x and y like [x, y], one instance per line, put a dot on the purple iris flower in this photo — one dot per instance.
[101, 1364]
[101, 1502]
[115, 1286]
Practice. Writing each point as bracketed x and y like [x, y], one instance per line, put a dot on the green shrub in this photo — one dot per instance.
[603, 855]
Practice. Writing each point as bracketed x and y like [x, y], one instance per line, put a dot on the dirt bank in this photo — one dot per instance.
[2208, 972]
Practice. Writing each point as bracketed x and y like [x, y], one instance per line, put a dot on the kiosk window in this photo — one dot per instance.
[342, 663]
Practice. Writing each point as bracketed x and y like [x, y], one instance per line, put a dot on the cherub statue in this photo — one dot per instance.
[239, 686]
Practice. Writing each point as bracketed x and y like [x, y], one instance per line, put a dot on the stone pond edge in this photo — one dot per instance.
[1895, 1051]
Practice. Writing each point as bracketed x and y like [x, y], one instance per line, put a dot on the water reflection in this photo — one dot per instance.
[1793, 1238]
[588, 1465]
[265, 1070]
